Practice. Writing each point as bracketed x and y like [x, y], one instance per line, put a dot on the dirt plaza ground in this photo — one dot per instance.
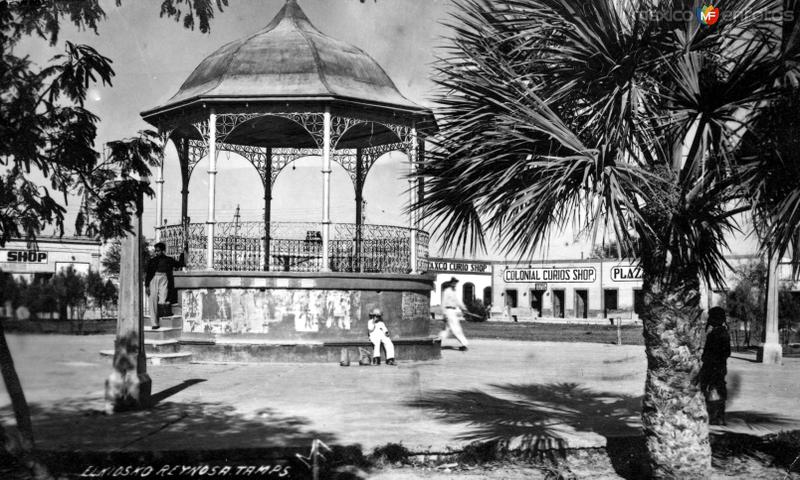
[528, 395]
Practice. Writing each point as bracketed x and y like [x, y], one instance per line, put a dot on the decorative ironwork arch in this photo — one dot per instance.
[341, 125]
[312, 123]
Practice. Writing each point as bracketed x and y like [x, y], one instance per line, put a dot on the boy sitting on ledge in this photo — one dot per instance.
[378, 333]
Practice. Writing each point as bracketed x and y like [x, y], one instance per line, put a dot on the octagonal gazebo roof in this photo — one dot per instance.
[290, 60]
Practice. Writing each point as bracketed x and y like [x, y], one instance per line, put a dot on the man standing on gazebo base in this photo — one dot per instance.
[159, 283]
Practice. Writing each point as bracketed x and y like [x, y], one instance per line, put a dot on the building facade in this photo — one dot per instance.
[50, 255]
[583, 290]
[587, 290]
[475, 278]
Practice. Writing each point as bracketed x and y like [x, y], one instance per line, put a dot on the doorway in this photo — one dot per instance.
[536, 303]
[558, 303]
[609, 301]
[581, 303]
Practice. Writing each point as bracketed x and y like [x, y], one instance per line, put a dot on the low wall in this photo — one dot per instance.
[64, 327]
[411, 349]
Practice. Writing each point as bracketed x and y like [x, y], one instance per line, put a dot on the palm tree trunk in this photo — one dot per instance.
[673, 409]
[22, 413]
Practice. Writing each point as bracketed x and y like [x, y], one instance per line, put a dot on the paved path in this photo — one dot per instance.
[527, 393]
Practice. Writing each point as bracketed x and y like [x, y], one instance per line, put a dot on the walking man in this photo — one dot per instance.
[453, 312]
[159, 283]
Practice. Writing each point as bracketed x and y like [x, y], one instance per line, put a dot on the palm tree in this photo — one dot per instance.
[611, 116]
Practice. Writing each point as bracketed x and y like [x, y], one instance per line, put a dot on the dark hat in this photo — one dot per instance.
[450, 283]
[160, 246]
[716, 316]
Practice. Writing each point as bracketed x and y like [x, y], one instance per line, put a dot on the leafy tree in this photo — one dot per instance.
[39, 296]
[478, 310]
[104, 293]
[47, 130]
[789, 314]
[607, 116]
[70, 288]
[9, 289]
[613, 249]
[746, 301]
[112, 258]
[111, 294]
[96, 289]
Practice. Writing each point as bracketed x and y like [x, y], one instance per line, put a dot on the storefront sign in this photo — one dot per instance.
[460, 267]
[23, 256]
[626, 273]
[554, 275]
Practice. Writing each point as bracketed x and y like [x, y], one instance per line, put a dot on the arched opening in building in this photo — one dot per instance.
[468, 293]
[487, 296]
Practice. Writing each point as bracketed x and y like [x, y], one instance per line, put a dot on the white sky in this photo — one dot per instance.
[153, 56]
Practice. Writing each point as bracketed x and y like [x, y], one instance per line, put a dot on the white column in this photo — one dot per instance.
[773, 353]
[160, 200]
[326, 188]
[212, 182]
[412, 195]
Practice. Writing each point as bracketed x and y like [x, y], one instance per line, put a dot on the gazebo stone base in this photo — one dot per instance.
[301, 317]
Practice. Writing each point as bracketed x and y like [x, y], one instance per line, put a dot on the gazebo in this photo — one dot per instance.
[284, 93]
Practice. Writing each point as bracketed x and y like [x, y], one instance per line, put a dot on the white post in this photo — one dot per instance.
[160, 200]
[212, 177]
[412, 195]
[772, 353]
[326, 188]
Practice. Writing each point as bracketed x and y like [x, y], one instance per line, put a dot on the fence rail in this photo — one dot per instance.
[297, 247]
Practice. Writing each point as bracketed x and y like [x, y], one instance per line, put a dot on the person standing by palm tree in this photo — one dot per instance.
[715, 358]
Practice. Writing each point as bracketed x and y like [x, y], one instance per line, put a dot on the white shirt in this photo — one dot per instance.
[377, 328]
[450, 299]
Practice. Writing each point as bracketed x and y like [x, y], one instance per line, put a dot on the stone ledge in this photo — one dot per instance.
[305, 280]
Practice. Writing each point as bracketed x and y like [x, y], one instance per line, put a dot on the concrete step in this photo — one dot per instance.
[177, 309]
[163, 333]
[161, 346]
[159, 358]
[175, 321]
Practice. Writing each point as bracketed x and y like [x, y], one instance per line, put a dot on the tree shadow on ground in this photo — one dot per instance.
[537, 420]
[75, 433]
[748, 456]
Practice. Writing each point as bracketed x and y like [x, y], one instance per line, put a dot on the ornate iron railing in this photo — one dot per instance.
[297, 247]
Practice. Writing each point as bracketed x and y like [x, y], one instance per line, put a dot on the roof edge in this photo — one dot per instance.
[149, 114]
